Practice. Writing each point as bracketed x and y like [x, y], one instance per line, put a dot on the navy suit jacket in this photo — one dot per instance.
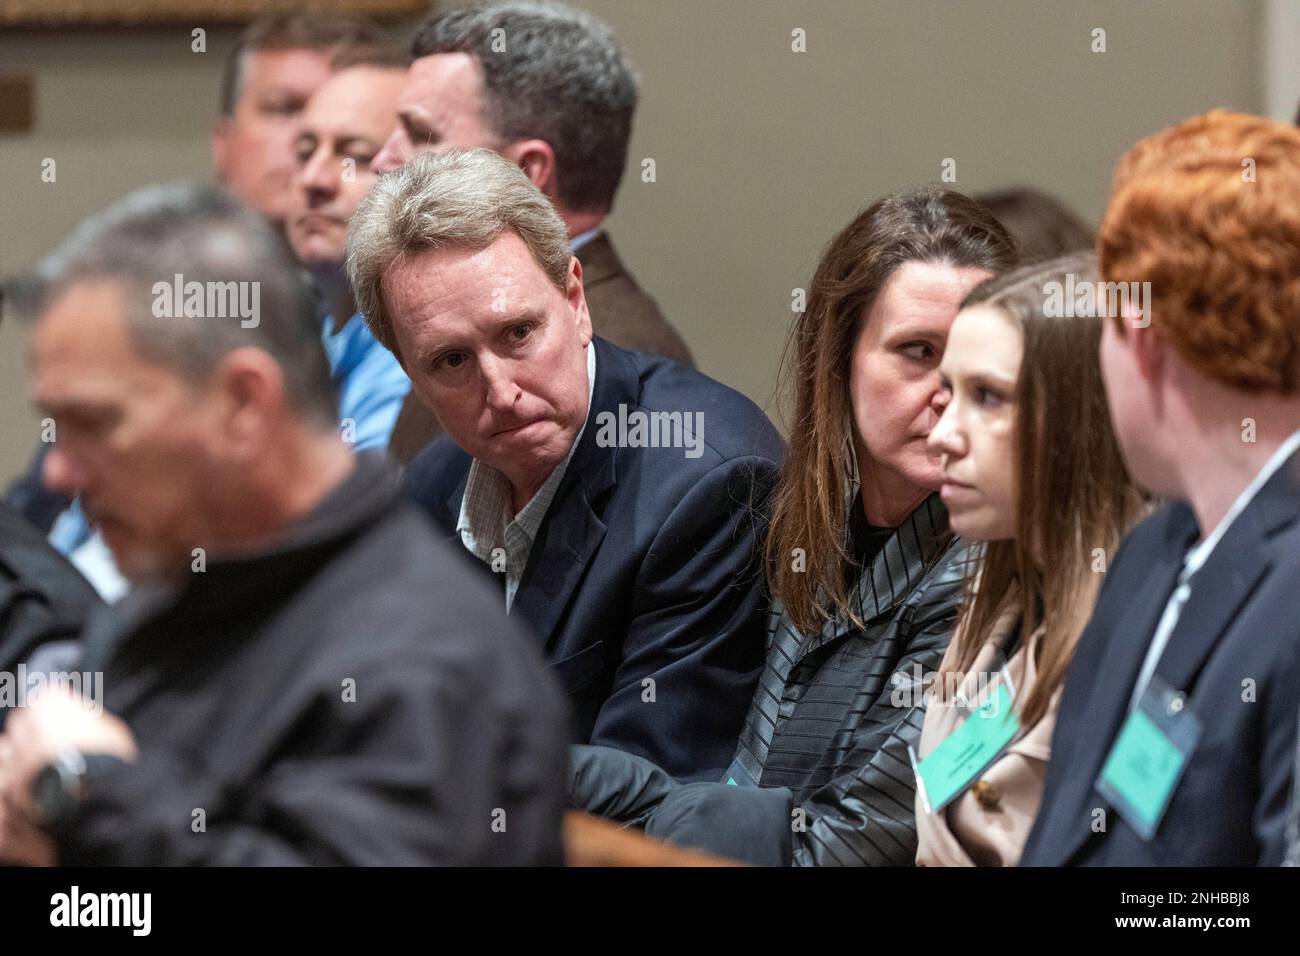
[647, 566]
[1234, 653]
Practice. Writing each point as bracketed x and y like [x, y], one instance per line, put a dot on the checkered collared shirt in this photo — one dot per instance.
[486, 526]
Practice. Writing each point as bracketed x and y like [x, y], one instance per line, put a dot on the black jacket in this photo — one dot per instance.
[1235, 653]
[822, 775]
[28, 496]
[353, 695]
[43, 598]
[646, 567]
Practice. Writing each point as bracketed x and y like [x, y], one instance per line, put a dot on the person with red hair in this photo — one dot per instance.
[1176, 733]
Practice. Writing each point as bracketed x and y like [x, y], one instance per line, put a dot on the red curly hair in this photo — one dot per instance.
[1208, 212]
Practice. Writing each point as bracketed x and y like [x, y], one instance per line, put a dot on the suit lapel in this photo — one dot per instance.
[894, 571]
[563, 549]
[572, 529]
[1219, 589]
[1107, 702]
[1224, 583]
[451, 508]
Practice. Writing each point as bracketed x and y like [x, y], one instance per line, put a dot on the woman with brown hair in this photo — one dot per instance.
[865, 574]
[1032, 469]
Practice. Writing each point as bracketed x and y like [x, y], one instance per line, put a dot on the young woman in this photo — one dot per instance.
[859, 558]
[1031, 468]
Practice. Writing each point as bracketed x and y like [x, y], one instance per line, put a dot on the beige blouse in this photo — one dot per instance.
[988, 824]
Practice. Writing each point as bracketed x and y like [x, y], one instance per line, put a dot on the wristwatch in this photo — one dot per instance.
[62, 784]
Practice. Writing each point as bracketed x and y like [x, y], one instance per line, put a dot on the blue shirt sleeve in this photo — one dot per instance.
[372, 385]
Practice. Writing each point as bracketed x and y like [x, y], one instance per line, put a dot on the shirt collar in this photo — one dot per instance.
[1198, 555]
[582, 238]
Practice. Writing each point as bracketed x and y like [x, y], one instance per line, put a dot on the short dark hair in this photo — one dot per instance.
[553, 73]
[200, 232]
[328, 32]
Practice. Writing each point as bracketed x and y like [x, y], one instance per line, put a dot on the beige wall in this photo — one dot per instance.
[761, 153]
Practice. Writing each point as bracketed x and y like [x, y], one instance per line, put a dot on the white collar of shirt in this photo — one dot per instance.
[582, 238]
[486, 522]
[1199, 554]
[1196, 558]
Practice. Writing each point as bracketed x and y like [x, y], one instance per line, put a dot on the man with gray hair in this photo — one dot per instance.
[549, 88]
[302, 674]
[580, 472]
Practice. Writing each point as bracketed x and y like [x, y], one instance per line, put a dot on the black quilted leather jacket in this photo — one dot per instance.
[834, 712]
[822, 773]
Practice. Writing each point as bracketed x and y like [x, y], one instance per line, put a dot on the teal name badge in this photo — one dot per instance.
[1148, 757]
[967, 752]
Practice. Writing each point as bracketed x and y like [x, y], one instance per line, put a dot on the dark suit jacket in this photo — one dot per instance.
[621, 312]
[1235, 652]
[646, 566]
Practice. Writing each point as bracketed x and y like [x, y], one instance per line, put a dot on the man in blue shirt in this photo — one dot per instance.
[344, 125]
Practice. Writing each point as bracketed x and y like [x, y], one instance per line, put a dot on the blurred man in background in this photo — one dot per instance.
[278, 63]
[1043, 226]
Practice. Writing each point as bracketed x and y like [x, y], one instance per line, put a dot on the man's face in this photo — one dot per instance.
[344, 124]
[252, 149]
[496, 351]
[132, 438]
[441, 107]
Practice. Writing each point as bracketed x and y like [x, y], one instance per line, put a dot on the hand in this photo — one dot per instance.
[35, 734]
[22, 842]
[614, 784]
